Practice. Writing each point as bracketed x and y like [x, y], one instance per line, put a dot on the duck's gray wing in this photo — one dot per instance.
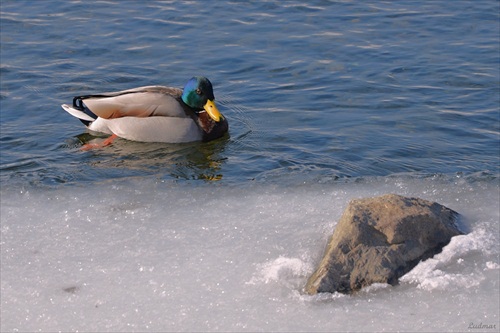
[146, 101]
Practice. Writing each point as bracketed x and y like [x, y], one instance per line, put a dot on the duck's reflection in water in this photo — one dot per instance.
[189, 161]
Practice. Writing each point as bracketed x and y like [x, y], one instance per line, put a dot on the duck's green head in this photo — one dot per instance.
[199, 95]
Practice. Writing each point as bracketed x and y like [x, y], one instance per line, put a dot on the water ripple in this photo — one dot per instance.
[329, 90]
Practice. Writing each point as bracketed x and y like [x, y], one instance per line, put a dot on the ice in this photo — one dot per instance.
[492, 265]
[428, 274]
[281, 269]
[147, 255]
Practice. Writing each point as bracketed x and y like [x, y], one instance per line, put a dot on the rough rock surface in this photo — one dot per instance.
[378, 240]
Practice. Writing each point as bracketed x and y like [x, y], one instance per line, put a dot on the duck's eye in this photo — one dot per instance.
[198, 91]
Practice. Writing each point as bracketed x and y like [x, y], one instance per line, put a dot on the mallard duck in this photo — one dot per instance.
[154, 113]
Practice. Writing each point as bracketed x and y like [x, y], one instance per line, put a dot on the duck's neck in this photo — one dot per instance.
[211, 129]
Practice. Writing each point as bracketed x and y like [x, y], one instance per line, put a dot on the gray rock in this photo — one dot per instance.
[378, 240]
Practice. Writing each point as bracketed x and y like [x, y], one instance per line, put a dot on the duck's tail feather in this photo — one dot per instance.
[80, 111]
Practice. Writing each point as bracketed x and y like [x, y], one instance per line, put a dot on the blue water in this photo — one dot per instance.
[326, 101]
[326, 90]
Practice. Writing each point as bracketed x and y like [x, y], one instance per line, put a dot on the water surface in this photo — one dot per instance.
[330, 89]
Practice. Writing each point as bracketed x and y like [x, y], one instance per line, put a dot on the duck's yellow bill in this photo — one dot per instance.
[212, 110]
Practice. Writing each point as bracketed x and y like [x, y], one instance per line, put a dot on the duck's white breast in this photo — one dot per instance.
[151, 129]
